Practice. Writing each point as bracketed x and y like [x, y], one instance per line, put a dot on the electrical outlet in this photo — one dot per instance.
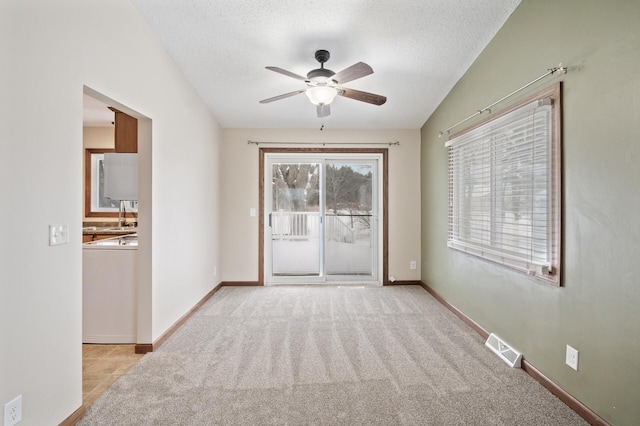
[13, 411]
[413, 265]
[572, 358]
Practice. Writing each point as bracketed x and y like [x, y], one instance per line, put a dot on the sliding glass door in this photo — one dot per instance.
[322, 219]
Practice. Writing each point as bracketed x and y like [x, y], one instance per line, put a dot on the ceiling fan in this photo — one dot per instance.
[323, 85]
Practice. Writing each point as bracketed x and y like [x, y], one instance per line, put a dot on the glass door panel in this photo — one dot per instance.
[295, 219]
[350, 220]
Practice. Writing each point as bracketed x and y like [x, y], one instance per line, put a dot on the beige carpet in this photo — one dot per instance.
[325, 355]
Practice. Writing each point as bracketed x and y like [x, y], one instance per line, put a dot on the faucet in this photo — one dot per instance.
[122, 219]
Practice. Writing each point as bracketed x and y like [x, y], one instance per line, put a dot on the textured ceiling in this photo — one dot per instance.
[418, 50]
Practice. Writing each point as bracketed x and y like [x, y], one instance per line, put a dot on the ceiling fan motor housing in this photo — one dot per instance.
[321, 75]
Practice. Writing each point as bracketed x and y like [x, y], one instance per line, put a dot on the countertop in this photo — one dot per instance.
[109, 230]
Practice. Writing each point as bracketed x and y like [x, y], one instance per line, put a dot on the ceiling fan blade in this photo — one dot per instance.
[370, 98]
[277, 98]
[353, 72]
[323, 110]
[287, 73]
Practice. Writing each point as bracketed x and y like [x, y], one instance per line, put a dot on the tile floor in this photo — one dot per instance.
[102, 365]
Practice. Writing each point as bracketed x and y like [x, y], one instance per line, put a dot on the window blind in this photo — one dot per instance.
[501, 204]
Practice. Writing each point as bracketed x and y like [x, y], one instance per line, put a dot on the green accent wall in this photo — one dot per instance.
[597, 309]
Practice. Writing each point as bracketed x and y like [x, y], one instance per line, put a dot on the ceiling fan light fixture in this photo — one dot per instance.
[321, 95]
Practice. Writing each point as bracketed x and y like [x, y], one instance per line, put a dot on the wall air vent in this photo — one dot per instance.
[504, 351]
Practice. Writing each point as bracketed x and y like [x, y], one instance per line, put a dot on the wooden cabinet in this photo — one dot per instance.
[126, 132]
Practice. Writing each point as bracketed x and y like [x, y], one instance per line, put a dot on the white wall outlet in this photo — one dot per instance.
[572, 358]
[13, 411]
[412, 264]
[58, 234]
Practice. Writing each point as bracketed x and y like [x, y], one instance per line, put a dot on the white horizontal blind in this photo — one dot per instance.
[500, 189]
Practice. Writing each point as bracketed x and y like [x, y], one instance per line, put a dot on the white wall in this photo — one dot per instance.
[49, 51]
[98, 137]
[240, 193]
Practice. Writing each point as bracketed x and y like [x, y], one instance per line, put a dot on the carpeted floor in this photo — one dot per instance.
[325, 356]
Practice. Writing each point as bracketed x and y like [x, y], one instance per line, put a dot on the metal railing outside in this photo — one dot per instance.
[306, 225]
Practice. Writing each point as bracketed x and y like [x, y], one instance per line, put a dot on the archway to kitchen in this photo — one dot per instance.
[141, 293]
[299, 222]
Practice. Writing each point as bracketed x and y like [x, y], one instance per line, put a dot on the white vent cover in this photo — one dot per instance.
[504, 351]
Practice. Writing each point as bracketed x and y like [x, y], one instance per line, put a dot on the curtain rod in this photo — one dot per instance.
[250, 142]
[550, 71]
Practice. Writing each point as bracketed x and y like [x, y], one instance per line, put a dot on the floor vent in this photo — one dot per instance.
[504, 351]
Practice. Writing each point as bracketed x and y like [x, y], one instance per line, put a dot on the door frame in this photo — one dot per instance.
[383, 169]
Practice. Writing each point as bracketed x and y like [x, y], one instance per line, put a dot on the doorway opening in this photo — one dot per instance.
[140, 293]
[323, 216]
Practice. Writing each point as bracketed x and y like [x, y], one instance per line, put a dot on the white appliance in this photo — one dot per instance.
[109, 280]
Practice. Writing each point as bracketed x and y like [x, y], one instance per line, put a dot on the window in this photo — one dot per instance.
[96, 204]
[504, 188]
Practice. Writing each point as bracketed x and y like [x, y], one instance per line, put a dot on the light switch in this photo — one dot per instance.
[252, 212]
[58, 234]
